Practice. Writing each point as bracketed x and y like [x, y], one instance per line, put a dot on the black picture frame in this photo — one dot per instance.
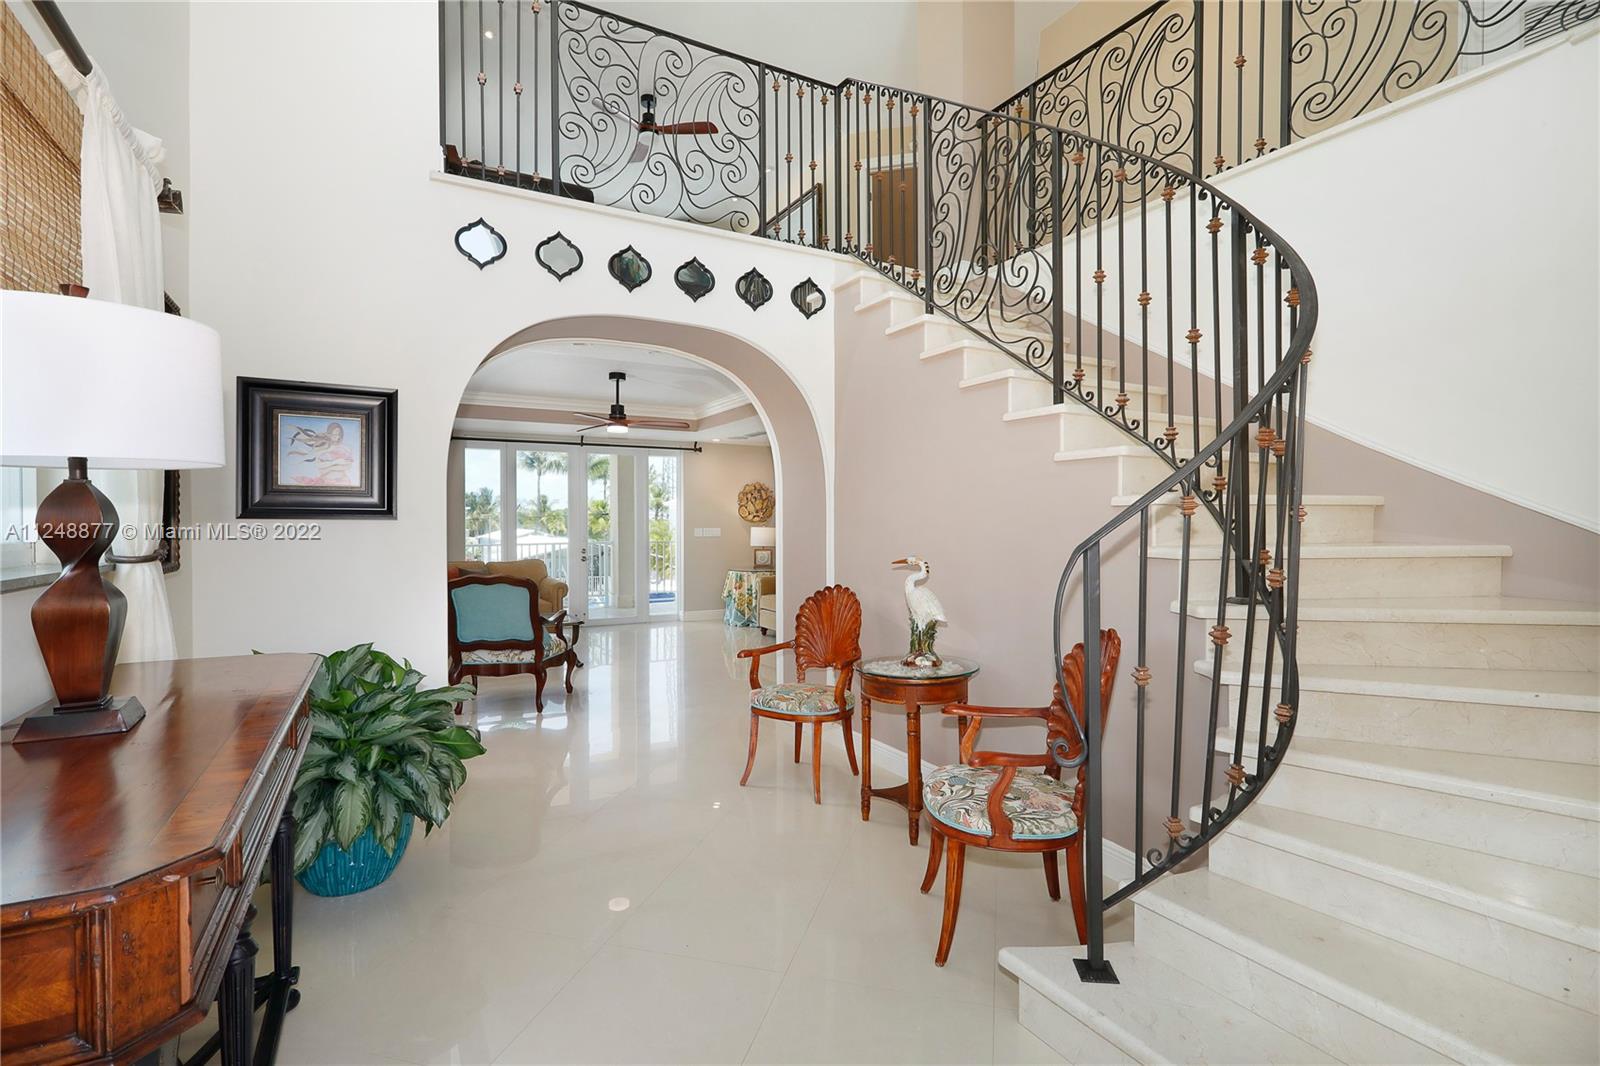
[269, 409]
[630, 268]
[695, 279]
[558, 238]
[801, 296]
[753, 288]
[492, 232]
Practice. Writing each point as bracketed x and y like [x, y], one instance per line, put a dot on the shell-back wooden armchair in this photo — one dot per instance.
[496, 628]
[827, 635]
[996, 799]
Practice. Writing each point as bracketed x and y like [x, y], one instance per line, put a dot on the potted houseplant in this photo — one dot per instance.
[382, 752]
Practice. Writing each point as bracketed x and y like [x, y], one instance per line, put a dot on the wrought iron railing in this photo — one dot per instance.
[1073, 229]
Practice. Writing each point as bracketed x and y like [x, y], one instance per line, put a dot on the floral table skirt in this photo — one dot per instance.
[741, 597]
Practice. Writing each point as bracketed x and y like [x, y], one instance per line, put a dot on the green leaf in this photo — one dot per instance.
[461, 742]
[386, 821]
[311, 833]
[352, 811]
[344, 769]
[380, 729]
[398, 785]
[325, 725]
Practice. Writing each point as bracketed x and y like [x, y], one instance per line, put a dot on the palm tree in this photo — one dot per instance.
[483, 511]
[542, 463]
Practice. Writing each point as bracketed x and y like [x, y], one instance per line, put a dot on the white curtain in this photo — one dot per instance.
[122, 263]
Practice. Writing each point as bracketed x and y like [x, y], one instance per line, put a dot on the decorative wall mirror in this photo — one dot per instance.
[695, 279]
[481, 243]
[808, 298]
[630, 268]
[558, 255]
[753, 288]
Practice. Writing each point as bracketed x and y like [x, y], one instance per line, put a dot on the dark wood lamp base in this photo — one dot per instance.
[78, 620]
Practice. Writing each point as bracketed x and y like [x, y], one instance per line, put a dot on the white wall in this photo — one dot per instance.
[348, 274]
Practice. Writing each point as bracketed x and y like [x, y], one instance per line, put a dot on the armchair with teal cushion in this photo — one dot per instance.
[496, 629]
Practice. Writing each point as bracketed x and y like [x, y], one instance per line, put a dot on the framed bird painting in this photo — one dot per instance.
[315, 451]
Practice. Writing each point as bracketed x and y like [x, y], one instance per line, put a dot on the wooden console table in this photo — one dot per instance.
[910, 688]
[127, 864]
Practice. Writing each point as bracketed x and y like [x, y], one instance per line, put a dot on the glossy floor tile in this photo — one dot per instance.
[606, 892]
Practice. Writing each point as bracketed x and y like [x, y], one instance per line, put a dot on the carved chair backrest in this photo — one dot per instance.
[827, 631]
[1058, 724]
[494, 611]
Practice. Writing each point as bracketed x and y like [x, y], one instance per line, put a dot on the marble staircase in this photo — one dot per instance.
[1420, 882]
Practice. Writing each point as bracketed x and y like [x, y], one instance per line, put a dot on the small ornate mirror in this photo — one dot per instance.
[481, 243]
[754, 289]
[630, 268]
[558, 255]
[808, 298]
[695, 279]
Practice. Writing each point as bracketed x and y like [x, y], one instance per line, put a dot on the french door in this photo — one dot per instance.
[607, 522]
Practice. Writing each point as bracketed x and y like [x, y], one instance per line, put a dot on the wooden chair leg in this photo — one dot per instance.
[538, 691]
[955, 865]
[816, 762]
[935, 853]
[1075, 888]
[572, 663]
[750, 760]
[799, 731]
[1052, 875]
[850, 745]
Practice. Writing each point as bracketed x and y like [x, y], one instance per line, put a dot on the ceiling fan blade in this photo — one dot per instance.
[676, 128]
[659, 423]
[599, 420]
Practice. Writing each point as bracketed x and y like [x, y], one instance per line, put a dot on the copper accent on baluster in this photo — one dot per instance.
[500, 170]
[866, 97]
[1099, 277]
[536, 6]
[1280, 447]
[1264, 437]
[517, 88]
[889, 103]
[848, 236]
[1259, 256]
[1220, 483]
[1293, 299]
[1220, 635]
[892, 261]
[913, 111]
[1171, 433]
[858, 166]
[1265, 557]
[825, 98]
[1120, 174]
[1235, 775]
[1076, 158]
[1275, 578]
[800, 92]
[1141, 676]
[1214, 226]
[916, 274]
[1219, 162]
[774, 84]
[1239, 60]
[1174, 827]
[1305, 360]
[1283, 713]
[1168, 192]
[1193, 336]
[800, 235]
[1261, 144]
[869, 249]
[849, 93]
[1122, 399]
[1300, 515]
[1077, 374]
[788, 157]
[1144, 299]
[1188, 505]
[812, 164]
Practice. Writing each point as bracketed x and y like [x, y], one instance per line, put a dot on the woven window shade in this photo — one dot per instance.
[41, 244]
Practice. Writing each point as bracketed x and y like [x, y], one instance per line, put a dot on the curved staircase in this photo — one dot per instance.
[1420, 882]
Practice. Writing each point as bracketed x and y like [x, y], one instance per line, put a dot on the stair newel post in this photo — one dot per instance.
[1239, 300]
[1095, 968]
[555, 97]
[1058, 370]
[927, 203]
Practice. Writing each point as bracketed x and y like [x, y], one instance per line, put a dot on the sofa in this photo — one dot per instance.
[552, 592]
[767, 603]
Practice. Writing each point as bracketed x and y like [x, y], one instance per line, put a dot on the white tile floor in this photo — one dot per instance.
[606, 892]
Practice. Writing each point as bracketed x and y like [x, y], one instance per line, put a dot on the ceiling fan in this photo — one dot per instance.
[647, 124]
[619, 422]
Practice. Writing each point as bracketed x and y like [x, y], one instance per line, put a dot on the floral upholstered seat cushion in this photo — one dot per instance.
[554, 647]
[794, 697]
[1039, 806]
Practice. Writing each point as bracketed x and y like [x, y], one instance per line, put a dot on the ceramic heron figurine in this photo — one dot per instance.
[925, 612]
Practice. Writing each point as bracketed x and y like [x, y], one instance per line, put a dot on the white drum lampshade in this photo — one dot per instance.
[123, 387]
[763, 537]
[90, 383]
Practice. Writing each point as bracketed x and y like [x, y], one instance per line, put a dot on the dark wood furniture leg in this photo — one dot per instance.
[816, 763]
[750, 761]
[914, 767]
[236, 1001]
[1052, 875]
[935, 852]
[850, 744]
[866, 758]
[954, 867]
[799, 731]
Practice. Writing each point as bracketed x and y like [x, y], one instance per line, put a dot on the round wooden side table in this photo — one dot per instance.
[908, 688]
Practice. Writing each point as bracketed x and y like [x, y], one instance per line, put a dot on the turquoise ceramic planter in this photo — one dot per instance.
[337, 872]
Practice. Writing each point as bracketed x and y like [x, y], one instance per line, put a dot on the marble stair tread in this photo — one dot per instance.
[1569, 789]
[1555, 903]
[1356, 551]
[1567, 690]
[1005, 374]
[1462, 1013]
[1156, 1014]
[1492, 610]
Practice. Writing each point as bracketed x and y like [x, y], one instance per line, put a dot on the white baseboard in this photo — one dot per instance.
[1116, 861]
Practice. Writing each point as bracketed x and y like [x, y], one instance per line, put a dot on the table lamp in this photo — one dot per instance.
[763, 537]
[90, 383]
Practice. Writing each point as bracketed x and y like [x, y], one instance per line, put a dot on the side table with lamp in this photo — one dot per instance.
[141, 805]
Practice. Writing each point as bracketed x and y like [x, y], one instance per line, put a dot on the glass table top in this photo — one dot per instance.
[891, 666]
